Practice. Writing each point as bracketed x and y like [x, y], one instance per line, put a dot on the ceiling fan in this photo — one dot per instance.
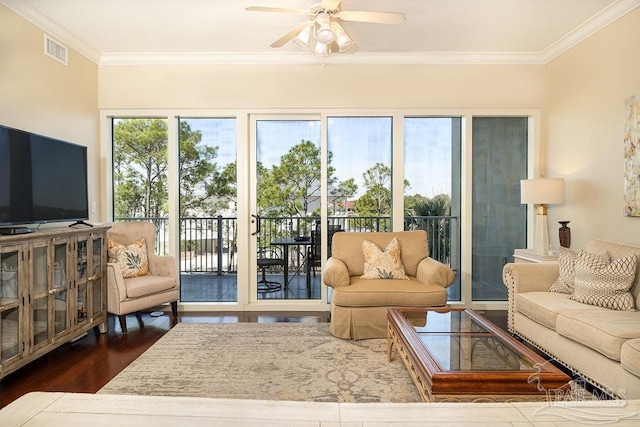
[323, 27]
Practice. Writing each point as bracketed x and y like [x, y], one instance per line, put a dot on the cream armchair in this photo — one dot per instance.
[160, 286]
[359, 306]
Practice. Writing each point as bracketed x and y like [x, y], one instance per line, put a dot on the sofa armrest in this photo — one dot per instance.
[526, 277]
[529, 277]
[335, 273]
[164, 266]
[433, 272]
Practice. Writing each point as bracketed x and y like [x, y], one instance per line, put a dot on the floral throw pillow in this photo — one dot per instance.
[605, 285]
[132, 259]
[566, 263]
[382, 264]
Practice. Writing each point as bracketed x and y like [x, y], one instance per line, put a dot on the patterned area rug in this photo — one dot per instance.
[273, 361]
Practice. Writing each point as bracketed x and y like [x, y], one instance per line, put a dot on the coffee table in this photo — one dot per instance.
[455, 354]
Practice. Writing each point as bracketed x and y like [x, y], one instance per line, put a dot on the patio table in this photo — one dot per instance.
[286, 242]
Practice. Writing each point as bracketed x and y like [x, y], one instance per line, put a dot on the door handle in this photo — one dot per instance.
[257, 222]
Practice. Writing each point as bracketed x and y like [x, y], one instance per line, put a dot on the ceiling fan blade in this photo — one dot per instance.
[291, 34]
[276, 9]
[331, 4]
[375, 17]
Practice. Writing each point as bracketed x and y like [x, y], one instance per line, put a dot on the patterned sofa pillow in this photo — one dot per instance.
[605, 286]
[382, 264]
[132, 259]
[566, 262]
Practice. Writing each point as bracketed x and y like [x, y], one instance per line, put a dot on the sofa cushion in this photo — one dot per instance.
[604, 331]
[382, 264]
[630, 356]
[544, 307]
[566, 262]
[388, 293]
[145, 285]
[616, 251]
[604, 284]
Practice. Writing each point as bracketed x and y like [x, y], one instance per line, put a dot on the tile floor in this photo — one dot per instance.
[66, 409]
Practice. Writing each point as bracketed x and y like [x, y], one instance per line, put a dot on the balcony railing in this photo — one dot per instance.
[208, 245]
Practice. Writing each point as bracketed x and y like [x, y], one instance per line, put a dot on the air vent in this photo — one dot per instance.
[56, 50]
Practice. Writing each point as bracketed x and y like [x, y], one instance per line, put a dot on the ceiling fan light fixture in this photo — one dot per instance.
[320, 49]
[342, 38]
[301, 41]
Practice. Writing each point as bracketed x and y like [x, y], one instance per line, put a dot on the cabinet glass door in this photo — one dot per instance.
[9, 304]
[39, 296]
[81, 280]
[60, 286]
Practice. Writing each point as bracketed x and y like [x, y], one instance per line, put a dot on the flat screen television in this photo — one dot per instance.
[41, 179]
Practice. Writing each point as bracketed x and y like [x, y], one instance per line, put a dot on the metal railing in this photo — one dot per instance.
[208, 245]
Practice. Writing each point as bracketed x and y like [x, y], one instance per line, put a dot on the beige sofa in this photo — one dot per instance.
[600, 344]
[359, 306]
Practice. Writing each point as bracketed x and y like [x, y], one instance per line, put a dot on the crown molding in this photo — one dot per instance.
[588, 28]
[597, 22]
[275, 58]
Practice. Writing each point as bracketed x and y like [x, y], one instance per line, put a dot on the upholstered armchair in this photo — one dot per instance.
[137, 278]
[359, 305]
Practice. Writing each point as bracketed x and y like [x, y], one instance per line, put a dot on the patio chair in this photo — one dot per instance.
[129, 292]
[266, 260]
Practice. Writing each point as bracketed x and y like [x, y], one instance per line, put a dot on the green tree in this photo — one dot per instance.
[298, 178]
[438, 227]
[197, 170]
[343, 192]
[140, 171]
[376, 201]
[223, 188]
[140, 167]
[439, 205]
[293, 186]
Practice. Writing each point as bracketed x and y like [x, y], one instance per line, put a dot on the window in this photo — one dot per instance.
[499, 220]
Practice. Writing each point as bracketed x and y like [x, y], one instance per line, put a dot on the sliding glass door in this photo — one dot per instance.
[287, 207]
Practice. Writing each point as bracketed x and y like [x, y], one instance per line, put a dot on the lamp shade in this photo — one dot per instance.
[547, 191]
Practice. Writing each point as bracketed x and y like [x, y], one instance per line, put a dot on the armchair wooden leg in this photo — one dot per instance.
[174, 309]
[123, 323]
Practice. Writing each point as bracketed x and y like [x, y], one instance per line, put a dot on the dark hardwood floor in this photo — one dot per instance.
[86, 365]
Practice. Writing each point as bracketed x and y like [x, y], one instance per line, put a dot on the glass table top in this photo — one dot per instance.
[457, 341]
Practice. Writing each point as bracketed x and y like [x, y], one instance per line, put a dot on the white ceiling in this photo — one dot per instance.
[222, 31]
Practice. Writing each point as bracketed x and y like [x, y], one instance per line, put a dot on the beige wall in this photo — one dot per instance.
[40, 95]
[318, 86]
[584, 115]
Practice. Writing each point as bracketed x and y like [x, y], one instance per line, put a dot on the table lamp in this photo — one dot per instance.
[542, 192]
